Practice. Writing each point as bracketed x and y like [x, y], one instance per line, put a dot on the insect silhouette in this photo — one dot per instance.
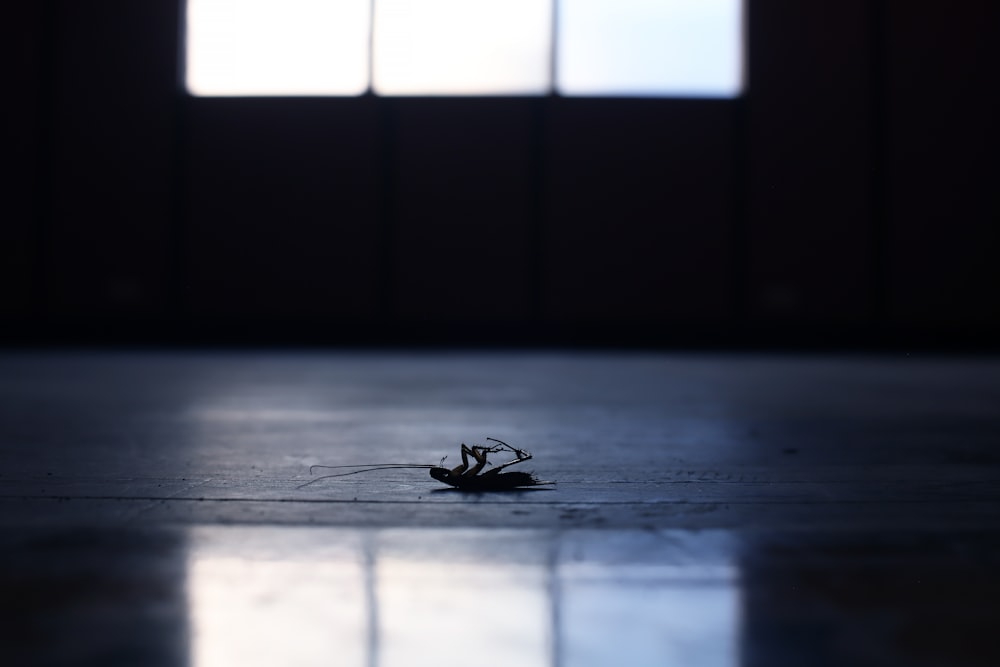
[465, 477]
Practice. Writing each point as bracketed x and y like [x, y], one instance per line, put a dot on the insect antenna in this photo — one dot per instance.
[364, 467]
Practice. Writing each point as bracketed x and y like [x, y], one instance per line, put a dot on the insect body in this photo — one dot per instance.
[469, 479]
[464, 477]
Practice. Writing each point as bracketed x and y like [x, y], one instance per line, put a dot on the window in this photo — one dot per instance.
[689, 48]
[278, 47]
[462, 47]
[657, 48]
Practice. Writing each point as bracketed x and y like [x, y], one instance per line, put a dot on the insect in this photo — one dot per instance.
[462, 477]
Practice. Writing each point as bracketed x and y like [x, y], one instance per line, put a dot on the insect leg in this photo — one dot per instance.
[479, 453]
[459, 469]
[522, 455]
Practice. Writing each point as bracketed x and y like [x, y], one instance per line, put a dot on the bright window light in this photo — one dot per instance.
[275, 597]
[656, 48]
[462, 47]
[651, 622]
[424, 597]
[597, 48]
[444, 600]
[278, 47]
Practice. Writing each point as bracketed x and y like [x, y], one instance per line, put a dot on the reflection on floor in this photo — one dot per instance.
[715, 510]
[261, 596]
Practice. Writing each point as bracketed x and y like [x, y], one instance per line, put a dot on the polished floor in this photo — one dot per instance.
[709, 509]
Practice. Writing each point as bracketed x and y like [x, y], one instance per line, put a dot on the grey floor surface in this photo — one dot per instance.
[710, 509]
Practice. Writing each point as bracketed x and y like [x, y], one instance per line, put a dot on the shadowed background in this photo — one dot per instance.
[848, 198]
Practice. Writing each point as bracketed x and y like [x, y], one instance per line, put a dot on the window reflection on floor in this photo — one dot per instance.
[642, 598]
[648, 622]
[448, 614]
[387, 598]
[276, 597]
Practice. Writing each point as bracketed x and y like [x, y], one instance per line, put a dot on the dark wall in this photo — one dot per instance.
[848, 198]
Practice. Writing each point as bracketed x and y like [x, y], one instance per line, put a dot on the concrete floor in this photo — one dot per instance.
[709, 510]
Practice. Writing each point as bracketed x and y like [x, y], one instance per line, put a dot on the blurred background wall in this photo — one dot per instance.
[849, 198]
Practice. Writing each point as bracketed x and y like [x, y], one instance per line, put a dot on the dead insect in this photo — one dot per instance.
[461, 477]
